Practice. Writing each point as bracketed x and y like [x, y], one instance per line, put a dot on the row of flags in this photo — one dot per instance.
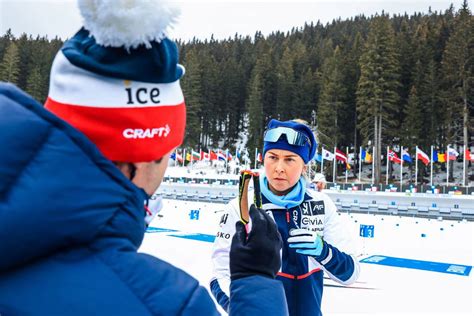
[337, 155]
[202, 155]
[365, 156]
[399, 158]
[450, 154]
[435, 156]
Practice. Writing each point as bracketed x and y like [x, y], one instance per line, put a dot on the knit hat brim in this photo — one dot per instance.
[306, 152]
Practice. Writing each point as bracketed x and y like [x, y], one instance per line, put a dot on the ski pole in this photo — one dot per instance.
[257, 194]
[244, 181]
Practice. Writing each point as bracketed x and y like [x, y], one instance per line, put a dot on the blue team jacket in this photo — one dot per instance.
[70, 227]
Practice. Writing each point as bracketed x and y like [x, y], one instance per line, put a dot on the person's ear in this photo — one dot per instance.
[129, 168]
[125, 167]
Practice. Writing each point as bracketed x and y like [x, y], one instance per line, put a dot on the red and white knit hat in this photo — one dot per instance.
[117, 80]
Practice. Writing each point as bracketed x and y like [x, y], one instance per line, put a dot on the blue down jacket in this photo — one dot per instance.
[70, 227]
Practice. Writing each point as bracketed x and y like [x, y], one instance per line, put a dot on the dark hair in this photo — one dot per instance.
[132, 167]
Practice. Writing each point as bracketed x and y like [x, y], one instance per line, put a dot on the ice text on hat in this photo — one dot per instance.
[142, 96]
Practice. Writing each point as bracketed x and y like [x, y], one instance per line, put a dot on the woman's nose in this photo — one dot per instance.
[279, 166]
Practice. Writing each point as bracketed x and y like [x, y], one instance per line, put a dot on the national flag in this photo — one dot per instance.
[348, 166]
[229, 156]
[221, 155]
[212, 155]
[196, 155]
[363, 154]
[420, 155]
[441, 157]
[341, 156]
[392, 156]
[452, 154]
[406, 156]
[177, 157]
[368, 158]
[468, 155]
[327, 155]
[205, 156]
[188, 157]
[259, 157]
[435, 155]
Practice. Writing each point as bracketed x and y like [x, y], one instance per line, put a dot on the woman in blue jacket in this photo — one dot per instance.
[315, 240]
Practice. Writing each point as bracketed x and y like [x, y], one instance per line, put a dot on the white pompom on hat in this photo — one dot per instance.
[128, 23]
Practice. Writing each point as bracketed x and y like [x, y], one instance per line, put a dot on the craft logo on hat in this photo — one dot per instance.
[117, 80]
[147, 133]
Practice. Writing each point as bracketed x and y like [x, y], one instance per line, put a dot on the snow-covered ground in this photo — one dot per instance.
[380, 290]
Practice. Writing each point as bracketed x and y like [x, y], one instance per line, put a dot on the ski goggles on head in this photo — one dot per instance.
[293, 137]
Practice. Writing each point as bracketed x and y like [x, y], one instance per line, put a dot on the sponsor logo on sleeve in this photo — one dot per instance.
[312, 216]
[312, 208]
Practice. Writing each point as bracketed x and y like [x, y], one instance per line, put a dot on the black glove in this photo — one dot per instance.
[259, 252]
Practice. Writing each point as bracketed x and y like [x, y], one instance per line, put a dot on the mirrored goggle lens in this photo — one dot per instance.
[292, 137]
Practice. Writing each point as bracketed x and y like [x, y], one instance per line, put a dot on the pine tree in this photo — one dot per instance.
[304, 83]
[406, 60]
[34, 85]
[5, 41]
[377, 97]
[331, 106]
[425, 77]
[211, 96]
[255, 109]
[411, 127]
[29, 58]
[286, 86]
[432, 106]
[261, 98]
[352, 54]
[9, 69]
[232, 102]
[192, 89]
[307, 92]
[458, 74]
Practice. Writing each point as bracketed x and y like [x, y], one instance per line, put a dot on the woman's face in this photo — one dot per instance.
[283, 170]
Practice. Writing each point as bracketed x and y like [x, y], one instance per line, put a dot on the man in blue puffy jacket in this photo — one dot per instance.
[75, 181]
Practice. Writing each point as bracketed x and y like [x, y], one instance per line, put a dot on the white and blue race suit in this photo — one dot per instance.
[301, 275]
